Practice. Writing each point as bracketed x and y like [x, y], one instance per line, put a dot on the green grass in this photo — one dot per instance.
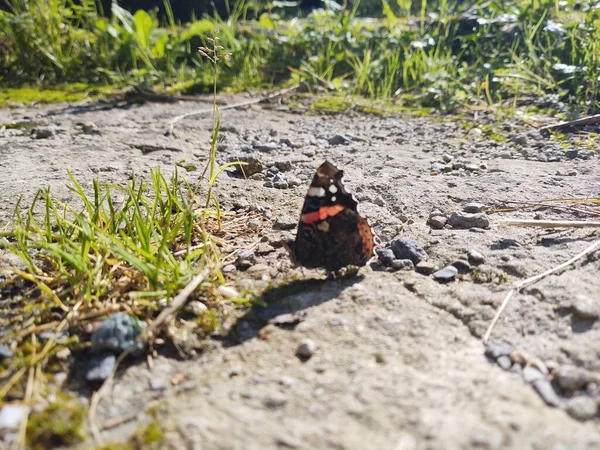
[427, 54]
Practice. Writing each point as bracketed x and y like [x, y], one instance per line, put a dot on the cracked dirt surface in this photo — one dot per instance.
[400, 363]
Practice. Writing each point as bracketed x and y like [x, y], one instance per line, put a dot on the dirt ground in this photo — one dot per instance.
[399, 362]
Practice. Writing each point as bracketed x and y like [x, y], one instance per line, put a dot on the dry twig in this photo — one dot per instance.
[589, 120]
[173, 121]
[521, 284]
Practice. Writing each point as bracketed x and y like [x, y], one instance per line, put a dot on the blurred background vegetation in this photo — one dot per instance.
[440, 54]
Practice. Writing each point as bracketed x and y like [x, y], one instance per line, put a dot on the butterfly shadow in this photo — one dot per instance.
[286, 306]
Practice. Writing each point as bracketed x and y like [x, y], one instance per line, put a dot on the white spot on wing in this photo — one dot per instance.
[333, 198]
[316, 191]
[333, 189]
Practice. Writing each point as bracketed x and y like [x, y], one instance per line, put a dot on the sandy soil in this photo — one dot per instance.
[399, 361]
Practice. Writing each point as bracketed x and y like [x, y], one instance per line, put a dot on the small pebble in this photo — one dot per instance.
[571, 378]
[306, 348]
[475, 258]
[504, 362]
[228, 291]
[519, 139]
[474, 207]
[12, 415]
[582, 408]
[228, 268]
[285, 223]
[446, 274]
[117, 333]
[586, 307]
[447, 158]
[100, 367]
[572, 153]
[408, 249]
[544, 388]
[158, 384]
[275, 400]
[463, 220]
[496, 350]
[257, 268]
[437, 222]
[196, 307]
[340, 139]
[462, 266]
[426, 267]
[385, 255]
[267, 148]
[5, 352]
[254, 224]
[531, 374]
[245, 258]
[403, 264]
[45, 132]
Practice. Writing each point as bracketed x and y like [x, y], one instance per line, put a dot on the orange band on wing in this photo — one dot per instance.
[322, 214]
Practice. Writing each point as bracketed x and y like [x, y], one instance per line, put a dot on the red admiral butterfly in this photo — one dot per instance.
[331, 233]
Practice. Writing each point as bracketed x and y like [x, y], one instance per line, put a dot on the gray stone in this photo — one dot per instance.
[531, 374]
[306, 348]
[254, 224]
[474, 207]
[275, 400]
[496, 350]
[11, 416]
[158, 384]
[446, 274]
[572, 153]
[544, 388]
[100, 367]
[117, 333]
[437, 222]
[447, 158]
[586, 307]
[516, 368]
[475, 258]
[463, 220]
[284, 166]
[5, 352]
[571, 378]
[228, 268]
[245, 258]
[339, 139]
[462, 266]
[408, 249]
[385, 255]
[504, 362]
[281, 185]
[403, 264]
[582, 408]
[45, 132]
[519, 139]
[426, 267]
[285, 223]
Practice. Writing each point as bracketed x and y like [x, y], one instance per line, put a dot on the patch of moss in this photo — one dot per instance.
[330, 104]
[149, 435]
[116, 446]
[24, 125]
[189, 167]
[59, 425]
[208, 321]
[67, 93]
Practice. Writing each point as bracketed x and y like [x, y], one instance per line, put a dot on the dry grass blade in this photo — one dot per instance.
[175, 305]
[551, 223]
[532, 280]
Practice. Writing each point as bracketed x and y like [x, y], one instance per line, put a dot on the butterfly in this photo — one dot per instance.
[331, 233]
